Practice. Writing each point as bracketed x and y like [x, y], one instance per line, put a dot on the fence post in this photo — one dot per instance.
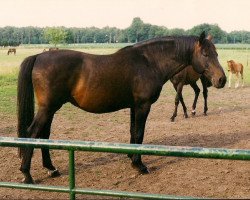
[72, 174]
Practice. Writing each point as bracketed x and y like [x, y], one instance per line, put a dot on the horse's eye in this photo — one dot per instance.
[205, 54]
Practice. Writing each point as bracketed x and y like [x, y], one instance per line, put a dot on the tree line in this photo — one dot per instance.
[137, 31]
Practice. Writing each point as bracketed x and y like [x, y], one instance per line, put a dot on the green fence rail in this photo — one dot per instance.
[72, 146]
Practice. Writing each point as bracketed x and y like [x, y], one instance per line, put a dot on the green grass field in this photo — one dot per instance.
[9, 66]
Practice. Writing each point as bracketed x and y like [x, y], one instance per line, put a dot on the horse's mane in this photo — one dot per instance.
[183, 45]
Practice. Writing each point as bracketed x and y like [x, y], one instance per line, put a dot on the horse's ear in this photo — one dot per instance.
[209, 37]
[202, 37]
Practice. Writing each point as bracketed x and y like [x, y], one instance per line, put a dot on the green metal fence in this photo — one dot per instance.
[72, 146]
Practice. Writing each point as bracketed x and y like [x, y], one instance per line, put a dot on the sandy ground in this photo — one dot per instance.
[226, 126]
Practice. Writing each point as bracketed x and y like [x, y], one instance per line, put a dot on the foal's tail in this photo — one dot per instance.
[242, 70]
[25, 98]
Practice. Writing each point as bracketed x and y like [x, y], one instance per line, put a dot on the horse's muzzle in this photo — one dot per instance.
[221, 82]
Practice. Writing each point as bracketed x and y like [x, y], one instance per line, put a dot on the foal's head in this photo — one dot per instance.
[205, 61]
[230, 64]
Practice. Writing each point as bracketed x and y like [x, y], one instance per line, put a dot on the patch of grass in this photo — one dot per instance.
[238, 55]
[8, 100]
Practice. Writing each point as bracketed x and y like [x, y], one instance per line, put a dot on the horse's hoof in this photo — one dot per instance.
[205, 114]
[28, 181]
[142, 169]
[172, 119]
[54, 173]
[185, 115]
[130, 155]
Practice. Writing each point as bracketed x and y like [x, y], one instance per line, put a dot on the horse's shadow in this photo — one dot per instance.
[220, 140]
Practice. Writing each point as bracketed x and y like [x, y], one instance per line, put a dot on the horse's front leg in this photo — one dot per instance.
[140, 116]
[205, 94]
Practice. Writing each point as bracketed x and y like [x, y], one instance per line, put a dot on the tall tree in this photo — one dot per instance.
[219, 35]
[135, 30]
[55, 35]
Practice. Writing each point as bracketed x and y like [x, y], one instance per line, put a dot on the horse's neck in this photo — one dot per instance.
[166, 62]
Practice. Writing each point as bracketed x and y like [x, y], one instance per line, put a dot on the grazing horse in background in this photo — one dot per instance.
[235, 68]
[11, 50]
[132, 77]
[189, 77]
[53, 49]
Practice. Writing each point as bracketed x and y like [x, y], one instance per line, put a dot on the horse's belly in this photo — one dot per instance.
[98, 96]
[101, 102]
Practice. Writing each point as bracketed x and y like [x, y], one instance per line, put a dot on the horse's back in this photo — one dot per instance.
[94, 83]
[239, 67]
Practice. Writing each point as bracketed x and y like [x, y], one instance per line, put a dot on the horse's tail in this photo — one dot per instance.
[25, 98]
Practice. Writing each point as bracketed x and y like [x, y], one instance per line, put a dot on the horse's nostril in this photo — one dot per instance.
[222, 81]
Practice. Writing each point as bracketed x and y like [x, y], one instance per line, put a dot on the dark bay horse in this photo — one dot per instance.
[132, 77]
[189, 77]
[11, 50]
[53, 49]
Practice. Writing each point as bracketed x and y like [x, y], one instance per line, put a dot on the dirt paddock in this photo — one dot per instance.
[226, 126]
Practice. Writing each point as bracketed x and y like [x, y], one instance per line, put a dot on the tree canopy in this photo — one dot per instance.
[55, 35]
[137, 31]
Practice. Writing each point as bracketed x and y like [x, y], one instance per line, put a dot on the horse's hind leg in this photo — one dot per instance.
[178, 89]
[47, 163]
[183, 105]
[141, 114]
[132, 128]
[197, 92]
[34, 131]
[242, 79]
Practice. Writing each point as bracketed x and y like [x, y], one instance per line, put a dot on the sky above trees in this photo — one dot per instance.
[228, 14]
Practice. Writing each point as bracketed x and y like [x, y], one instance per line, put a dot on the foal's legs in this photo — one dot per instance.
[140, 117]
[229, 79]
[237, 80]
[242, 79]
[197, 92]
[33, 131]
